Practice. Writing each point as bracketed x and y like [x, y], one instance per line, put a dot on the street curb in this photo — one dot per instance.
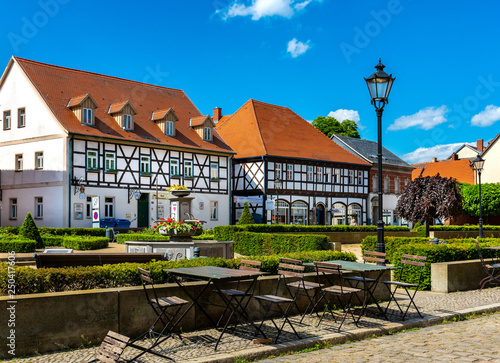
[343, 337]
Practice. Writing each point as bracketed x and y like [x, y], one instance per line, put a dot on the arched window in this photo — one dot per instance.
[387, 184]
[375, 183]
[283, 214]
[338, 214]
[397, 185]
[355, 214]
[300, 213]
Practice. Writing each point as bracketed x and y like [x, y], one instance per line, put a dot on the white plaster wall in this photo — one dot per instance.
[491, 169]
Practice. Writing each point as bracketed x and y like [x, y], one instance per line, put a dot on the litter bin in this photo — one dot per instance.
[122, 223]
[107, 223]
[109, 234]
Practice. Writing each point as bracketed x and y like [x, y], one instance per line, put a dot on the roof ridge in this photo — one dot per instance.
[21, 60]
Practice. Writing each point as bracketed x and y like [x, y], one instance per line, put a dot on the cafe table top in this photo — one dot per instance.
[356, 266]
[214, 273]
[492, 248]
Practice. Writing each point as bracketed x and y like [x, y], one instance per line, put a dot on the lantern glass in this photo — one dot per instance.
[478, 163]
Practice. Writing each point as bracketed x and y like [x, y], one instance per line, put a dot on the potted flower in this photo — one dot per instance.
[178, 190]
[171, 227]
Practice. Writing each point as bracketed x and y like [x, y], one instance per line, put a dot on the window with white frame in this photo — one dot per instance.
[351, 176]
[214, 210]
[88, 210]
[397, 185]
[174, 167]
[109, 161]
[375, 183]
[39, 160]
[289, 172]
[21, 117]
[387, 184]
[360, 177]
[214, 171]
[127, 122]
[169, 128]
[19, 162]
[87, 116]
[13, 208]
[277, 171]
[92, 160]
[145, 164]
[310, 174]
[336, 176]
[38, 207]
[328, 175]
[188, 168]
[6, 120]
[109, 207]
[207, 134]
[319, 174]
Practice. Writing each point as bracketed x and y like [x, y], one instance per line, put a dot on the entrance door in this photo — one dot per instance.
[320, 215]
[143, 211]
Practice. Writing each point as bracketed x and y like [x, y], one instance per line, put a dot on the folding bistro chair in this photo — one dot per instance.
[330, 271]
[355, 281]
[406, 260]
[303, 286]
[237, 296]
[492, 270]
[111, 348]
[285, 271]
[166, 309]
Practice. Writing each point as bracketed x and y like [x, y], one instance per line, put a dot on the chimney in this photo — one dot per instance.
[217, 114]
[454, 156]
[434, 160]
[480, 145]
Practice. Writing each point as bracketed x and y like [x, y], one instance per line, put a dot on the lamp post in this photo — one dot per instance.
[380, 84]
[478, 167]
[277, 185]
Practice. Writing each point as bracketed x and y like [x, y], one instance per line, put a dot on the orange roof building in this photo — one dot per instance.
[456, 169]
[281, 157]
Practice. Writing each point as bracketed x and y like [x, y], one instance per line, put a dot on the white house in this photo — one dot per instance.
[491, 156]
[68, 135]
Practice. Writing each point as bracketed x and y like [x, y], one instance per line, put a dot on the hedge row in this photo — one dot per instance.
[266, 244]
[85, 243]
[225, 233]
[122, 237]
[463, 228]
[17, 245]
[30, 281]
[96, 232]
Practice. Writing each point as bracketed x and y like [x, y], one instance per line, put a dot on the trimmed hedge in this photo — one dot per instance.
[19, 245]
[52, 240]
[258, 244]
[464, 228]
[122, 237]
[31, 281]
[225, 233]
[7, 230]
[85, 243]
[96, 232]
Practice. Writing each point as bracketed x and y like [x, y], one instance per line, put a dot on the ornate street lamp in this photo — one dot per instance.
[380, 84]
[277, 185]
[478, 167]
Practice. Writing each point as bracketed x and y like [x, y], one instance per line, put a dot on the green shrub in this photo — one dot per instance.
[19, 245]
[96, 232]
[29, 231]
[9, 230]
[391, 243]
[85, 243]
[122, 237]
[204, 237]
[247, 243]
[52, 240]
[464, 228]
[246, 216]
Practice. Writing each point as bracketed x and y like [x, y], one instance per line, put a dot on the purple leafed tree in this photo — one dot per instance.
[425, 199]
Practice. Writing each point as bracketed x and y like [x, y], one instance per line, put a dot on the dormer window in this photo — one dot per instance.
[207, 134]
[123, 113]
[203, 125]
[166, 120]
[169, 128]
[84, 109]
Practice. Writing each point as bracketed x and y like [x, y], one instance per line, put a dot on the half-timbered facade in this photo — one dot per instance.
[289, 171]
[78, 135]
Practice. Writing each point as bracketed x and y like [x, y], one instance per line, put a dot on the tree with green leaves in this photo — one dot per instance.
[429, 198]
[246, 217]
[329, 126]
[29, 230]
[490, 199]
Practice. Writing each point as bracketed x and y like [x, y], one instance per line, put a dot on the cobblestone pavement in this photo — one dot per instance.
[199, 346]
[474, 340]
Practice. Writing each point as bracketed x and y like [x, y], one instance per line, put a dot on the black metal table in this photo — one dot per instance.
[368, 288]
[215, 277]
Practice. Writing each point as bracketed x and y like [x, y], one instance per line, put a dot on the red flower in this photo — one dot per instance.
[169, 220]
[180, 223]
[154, 227]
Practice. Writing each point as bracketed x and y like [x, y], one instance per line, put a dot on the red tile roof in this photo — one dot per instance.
[57, 85]
[259, 128]
[457, 169]
[158, 115]
[75, 101]
[117, 107]
[198, 121]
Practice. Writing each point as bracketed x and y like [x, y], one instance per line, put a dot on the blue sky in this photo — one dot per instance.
[308, 55]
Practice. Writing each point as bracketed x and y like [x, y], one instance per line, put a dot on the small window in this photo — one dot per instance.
[92, 160]
[127, 122]
[174, 167]
[207, 134]
[21, 117]
[397, 186]
[188, 169]
[310, 174]
[39, 160]
[88, 213]
[360, 177]
[375, 183]
[387, 182]
[87, 116]
[109, 207]
[214, 171]
[289, 172]
[351, 176]
[214, 213]
[6, 120]
[328, 175]
[145, 164]
[277, 171]
[19, 162]
[109, 161]
[319, 174]
[336, 176]
[13, 208]
[38, 207]
[169, 128]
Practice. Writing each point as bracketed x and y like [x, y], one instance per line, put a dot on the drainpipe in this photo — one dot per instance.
[70, 169]
[264, 211]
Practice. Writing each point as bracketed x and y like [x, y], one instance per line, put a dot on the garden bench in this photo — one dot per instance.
[93, 259]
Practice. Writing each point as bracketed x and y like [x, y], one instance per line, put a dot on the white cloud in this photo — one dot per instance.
[342, 114]
[440, 152]
[262, 8]
[426, 119]
[488, 117]
[296, 48]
